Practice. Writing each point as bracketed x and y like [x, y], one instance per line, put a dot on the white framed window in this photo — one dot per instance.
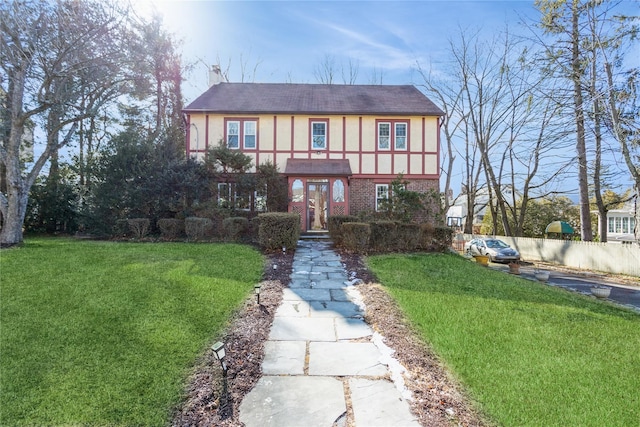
[249, 136]
[621, 224]
[229, 198]
[242, 131]
[318, 135]
[224, 195]
[384, 136]
[233, 134]
[382, 194]
[400, 136]
[392, 135]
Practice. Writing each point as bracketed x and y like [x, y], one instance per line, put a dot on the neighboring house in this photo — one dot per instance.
[621, 223]
[339, 146]
[457, 214]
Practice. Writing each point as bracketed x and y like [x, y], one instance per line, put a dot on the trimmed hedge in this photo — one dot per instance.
[278, 230]
[407, 236]
[383, 236]
[334, 224]
[171, 228]
[121, 228]
[235, 228]
[443, 238]
[427, 237]
[198, 228]
[355, 236]
[390, 236]
[139, 227]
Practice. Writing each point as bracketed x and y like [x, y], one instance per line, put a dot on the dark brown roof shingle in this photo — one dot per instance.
[285, 98]
[321, 167]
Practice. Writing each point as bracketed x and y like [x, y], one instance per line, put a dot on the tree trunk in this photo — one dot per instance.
[11, 233]
[586, 231]
[471, 203]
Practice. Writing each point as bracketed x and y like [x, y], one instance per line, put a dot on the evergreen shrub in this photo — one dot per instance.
[217, 216]
[139, 227]
[355, 236]
[443, 238]
[198, 228]
[335, 223]
[254, 228]
[427, 236]
[383, 236]
[171, 228]
[278, 230]
[235, 228]
[121, 228]
[407, 236]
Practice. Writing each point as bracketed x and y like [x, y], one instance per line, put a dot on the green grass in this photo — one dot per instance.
[528, 354]
[100, 333]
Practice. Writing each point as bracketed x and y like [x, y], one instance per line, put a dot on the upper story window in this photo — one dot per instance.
[242, 131]
[384, 136]
[319, 135]
[400, 136]
[392, 134]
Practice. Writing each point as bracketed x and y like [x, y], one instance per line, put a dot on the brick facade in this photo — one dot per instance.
[362, 195]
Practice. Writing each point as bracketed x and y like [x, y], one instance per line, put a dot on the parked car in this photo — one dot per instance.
[495, 249]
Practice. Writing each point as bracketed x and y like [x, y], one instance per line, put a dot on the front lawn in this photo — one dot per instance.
[100, 333]
[527, 353]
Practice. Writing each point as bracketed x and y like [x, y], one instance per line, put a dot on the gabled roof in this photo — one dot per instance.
[313, 99]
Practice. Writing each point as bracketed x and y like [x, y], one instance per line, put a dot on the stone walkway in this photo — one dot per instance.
[321, 355]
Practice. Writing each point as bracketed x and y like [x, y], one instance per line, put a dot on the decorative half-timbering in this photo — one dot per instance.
[339, 146]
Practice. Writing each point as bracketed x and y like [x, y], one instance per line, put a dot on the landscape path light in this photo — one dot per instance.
[220, 352]
[256, 289]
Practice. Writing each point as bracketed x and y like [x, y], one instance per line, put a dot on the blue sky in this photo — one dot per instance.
[286, 41]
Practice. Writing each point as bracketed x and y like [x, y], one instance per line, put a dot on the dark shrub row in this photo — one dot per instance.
[272, 231]
[389, 236]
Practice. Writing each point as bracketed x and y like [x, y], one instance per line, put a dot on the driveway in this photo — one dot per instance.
[624, 291]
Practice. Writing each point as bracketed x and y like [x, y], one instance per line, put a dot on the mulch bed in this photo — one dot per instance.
[214, 401]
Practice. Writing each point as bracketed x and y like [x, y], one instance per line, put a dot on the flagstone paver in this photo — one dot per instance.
[320, 348]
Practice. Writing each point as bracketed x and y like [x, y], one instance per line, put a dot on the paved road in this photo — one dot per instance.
[623, 294]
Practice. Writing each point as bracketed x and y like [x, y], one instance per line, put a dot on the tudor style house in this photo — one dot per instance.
[339, 146]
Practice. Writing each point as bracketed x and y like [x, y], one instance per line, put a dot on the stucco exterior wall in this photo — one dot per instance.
[280, 137]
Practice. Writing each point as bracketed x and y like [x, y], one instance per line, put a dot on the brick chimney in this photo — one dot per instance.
[215, 75]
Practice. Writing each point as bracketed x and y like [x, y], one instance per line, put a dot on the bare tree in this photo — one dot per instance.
[624, 112]
[45, 49]
[376, 77]
[501, 125]
[350, 72]
[450, 99]
[326, 70]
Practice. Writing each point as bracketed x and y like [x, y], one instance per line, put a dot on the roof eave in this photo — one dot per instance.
[316, 113]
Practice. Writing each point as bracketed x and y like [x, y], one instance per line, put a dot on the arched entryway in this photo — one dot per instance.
[318, 189]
